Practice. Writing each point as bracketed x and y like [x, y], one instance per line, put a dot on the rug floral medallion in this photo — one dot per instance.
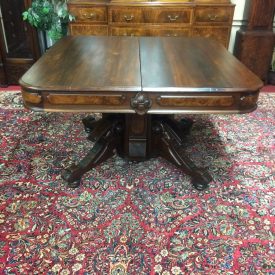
[136, 217]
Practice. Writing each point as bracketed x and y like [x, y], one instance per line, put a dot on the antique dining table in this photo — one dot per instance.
[139, 84]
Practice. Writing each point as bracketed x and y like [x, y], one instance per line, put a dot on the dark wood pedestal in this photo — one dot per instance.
[137, 137]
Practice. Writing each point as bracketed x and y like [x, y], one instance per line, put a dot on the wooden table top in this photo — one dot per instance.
[89, 63]
[86, 63]
[192, 64]
[79, 67]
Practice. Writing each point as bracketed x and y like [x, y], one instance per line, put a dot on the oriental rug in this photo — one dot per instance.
[136, 217]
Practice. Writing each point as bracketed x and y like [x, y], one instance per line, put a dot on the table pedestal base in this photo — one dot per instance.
[137, 137]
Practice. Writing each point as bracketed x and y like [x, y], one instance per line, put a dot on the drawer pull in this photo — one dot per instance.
[212, 17]
[172, 34]
[173, 18]
[128, 18]
[88, 16]
[92, 15]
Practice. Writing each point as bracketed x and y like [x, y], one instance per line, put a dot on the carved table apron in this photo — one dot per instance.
[138, 84]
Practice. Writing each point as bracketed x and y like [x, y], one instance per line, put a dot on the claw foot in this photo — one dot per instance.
[72, 176]
[201, 181]
[199, 184]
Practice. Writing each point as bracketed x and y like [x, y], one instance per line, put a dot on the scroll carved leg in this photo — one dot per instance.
[169, 142]
[106, 137]
[166, 140]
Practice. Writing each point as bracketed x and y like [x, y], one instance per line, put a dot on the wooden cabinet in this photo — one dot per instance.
[213, 15]
[255, 42]
[89, 14]
[18, 42]
[208, 18]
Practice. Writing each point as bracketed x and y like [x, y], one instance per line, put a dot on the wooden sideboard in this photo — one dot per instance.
[205, 18]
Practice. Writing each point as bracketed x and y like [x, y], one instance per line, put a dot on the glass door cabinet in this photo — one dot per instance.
[18, 41]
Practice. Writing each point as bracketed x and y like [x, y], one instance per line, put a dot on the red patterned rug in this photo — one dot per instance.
[136, 218]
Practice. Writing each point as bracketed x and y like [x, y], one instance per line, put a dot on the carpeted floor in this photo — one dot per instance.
[268, 89]
[136, 218]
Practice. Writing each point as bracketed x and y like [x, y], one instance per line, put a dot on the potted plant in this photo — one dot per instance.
[50, 17]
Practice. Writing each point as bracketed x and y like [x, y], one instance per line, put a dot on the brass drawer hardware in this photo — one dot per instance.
[88, 16]
[128, 18]
[172, 34]
[212, 17]
[173, 18]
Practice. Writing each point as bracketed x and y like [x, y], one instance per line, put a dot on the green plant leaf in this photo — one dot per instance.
[45, 10]
[49, 15]
[25, 15]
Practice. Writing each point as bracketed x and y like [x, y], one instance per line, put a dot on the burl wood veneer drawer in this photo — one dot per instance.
[148, 31]
[220, 34]
[33, 98]
[82, 29]
[150, 15]
[221, 103]
[125, 31]
[170, 32]
[65, 99]
[167, 15]
[196, 101]
[130, 31]
[213, 15]
[90, 14]
[126, 15]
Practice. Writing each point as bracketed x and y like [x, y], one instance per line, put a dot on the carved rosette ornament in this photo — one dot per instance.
[141, 103]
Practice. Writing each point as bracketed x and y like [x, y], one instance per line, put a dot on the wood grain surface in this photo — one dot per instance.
[192, 64]
[87, 63]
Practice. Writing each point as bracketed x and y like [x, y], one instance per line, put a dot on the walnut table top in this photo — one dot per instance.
[175, 74]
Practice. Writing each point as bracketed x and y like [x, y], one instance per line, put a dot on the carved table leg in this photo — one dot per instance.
[168, 142]
[164, 139]
[106, 136]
